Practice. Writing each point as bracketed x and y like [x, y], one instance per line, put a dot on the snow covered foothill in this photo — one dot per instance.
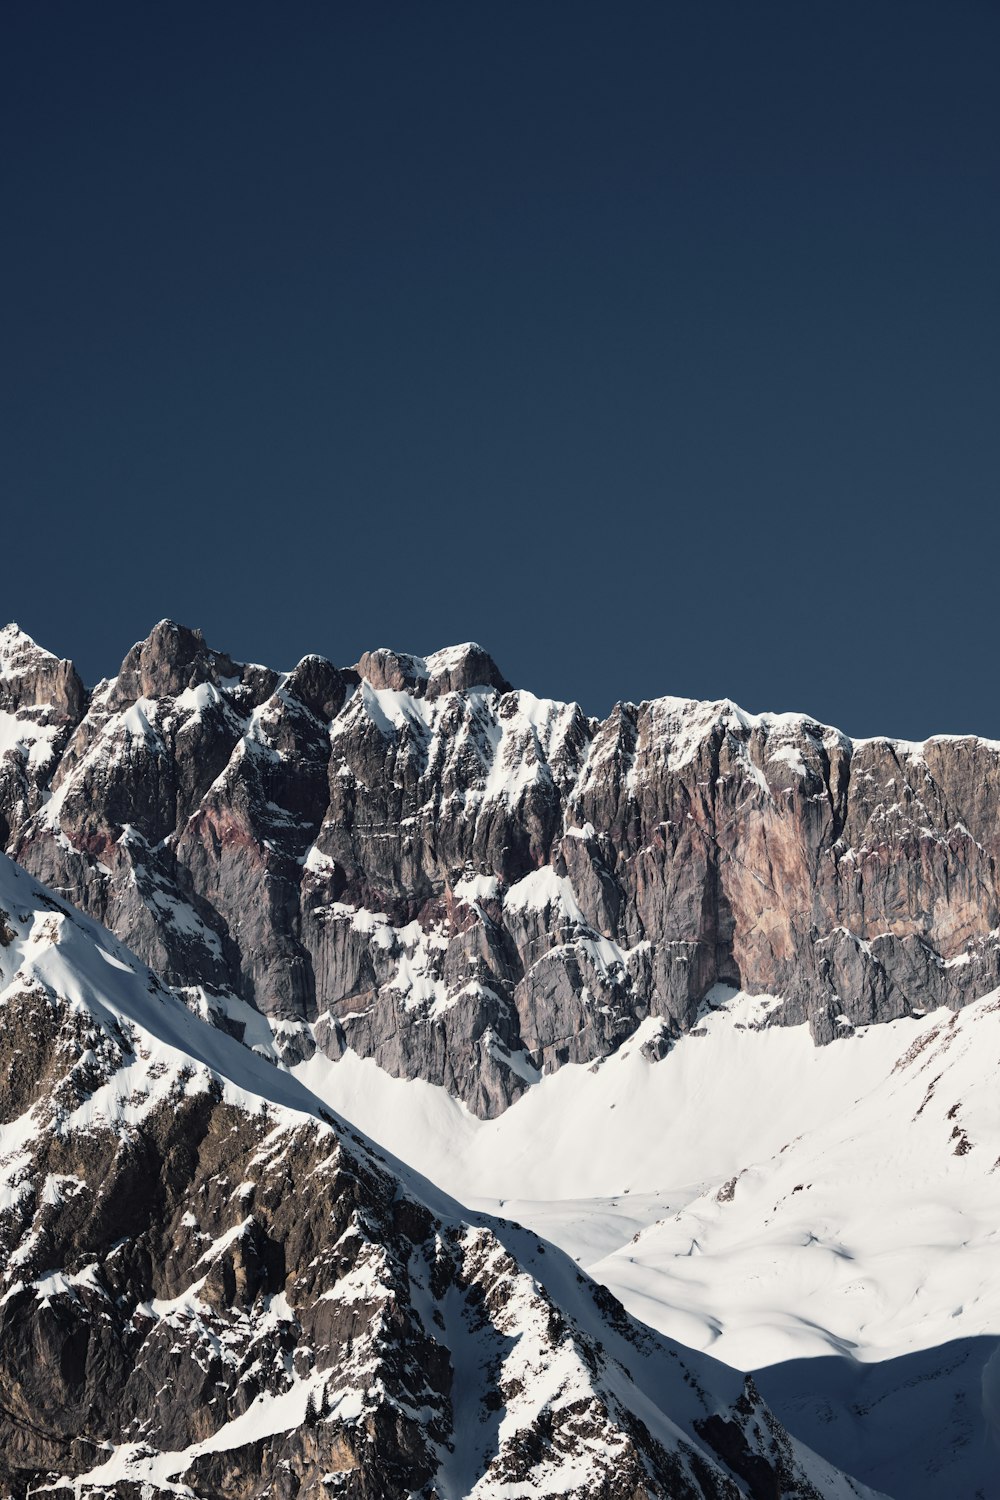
[877, 1229]
[912, 1426]
[626, 1125]
[832, 1212]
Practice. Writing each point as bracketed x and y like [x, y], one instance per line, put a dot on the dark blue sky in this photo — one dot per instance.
[655, 346]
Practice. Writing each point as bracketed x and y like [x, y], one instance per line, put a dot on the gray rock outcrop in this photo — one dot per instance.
[474, 886]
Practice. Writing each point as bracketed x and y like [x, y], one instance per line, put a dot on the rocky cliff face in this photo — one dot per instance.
[473, 885]
[209, 1286]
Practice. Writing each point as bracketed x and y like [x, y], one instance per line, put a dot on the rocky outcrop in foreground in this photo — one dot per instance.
[210, 1287]
[472, 885]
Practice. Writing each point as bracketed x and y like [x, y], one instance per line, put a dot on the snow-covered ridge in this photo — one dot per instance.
[693, 718]
[52, 944]
[529, 740]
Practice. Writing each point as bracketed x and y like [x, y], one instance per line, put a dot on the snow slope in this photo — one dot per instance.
[771, 1201]
[876, 1230]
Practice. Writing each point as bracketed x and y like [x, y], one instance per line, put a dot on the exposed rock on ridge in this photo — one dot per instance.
[473, 885]
[33, 678]
[41, 701]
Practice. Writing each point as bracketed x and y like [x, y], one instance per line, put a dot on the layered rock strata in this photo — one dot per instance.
[474, 886]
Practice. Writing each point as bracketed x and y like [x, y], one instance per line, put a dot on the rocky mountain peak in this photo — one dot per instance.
[175, 659]
[31, 677]
[393, 670]
[16, 648]
[320, 685]
[454, 669]
[170, 659]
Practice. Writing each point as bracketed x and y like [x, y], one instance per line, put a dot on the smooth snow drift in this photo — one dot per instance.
[767, 1200]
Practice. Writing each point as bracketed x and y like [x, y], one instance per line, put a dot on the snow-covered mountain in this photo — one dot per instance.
[664, 989]
[212, 1286]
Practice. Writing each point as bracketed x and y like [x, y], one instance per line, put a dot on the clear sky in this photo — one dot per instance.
[654, 346]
